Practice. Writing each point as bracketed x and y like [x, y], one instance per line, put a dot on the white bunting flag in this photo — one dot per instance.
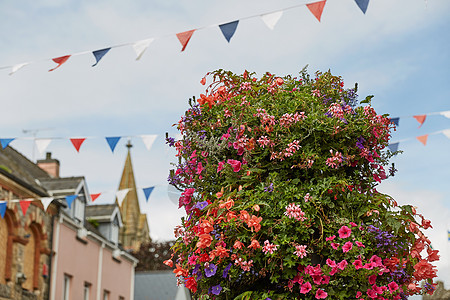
[272, 19]
[445, 113]
[42, 144]
[446, 132]
[140, 47]
[46, 202]
[148, 140]
[17, 67]
[121, 195]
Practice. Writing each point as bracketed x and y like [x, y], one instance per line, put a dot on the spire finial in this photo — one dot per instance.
[129, 145]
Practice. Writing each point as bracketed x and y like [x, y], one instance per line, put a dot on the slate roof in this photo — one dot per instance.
[65, 185]
[16, 166]
[99, 211]
[155, 285]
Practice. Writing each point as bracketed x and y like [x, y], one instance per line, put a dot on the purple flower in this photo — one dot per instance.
[360, 142]
[201, 205]
[269, 188]
[225, 271]
[210, 270]
[216, 289]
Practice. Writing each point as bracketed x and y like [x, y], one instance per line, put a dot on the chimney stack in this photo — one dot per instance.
[49, 165]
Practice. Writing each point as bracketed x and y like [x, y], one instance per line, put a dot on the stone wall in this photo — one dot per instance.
[439, 294]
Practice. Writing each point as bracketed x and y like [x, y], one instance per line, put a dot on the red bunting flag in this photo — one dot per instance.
[77, 143]
[420, 119]
[316, 8]
[423, 139]
[184, 38]
[24, 204]
[95, 196]
[59, 61]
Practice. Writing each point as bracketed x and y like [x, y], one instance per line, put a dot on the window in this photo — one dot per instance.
[66, 288]
[114, 233]
[87, 291]
[79, 208]
[105, 295]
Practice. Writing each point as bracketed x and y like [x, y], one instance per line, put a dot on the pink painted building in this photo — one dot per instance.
[86, 266]
[87, 262]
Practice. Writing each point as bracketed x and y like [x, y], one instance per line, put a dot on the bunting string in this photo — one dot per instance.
[43, 143]
[228, 29]
[120, 196]
[421, 118]
[393, 146]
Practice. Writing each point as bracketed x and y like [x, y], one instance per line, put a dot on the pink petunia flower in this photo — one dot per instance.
[321, 294]
[235, 164]
[392, 287]
[305, 288]
[335, 246]
[359, 244]
[342, 264]
[331, 263]
[344, 232]
[347, 247]
[220, 166]
[358, 264]
[330, 238]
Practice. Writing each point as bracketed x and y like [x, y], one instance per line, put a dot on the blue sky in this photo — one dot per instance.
[398, 51]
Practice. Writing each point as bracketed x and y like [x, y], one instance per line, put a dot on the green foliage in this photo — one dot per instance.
[279, 181]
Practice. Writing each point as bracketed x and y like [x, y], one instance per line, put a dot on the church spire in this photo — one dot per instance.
[131, 233]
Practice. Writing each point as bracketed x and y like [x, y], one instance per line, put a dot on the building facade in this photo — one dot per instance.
[53, 252]
[25, 229]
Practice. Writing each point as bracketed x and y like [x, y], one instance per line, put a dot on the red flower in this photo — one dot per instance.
[191, 284]
[424, 270]
[235, 164]
[432, 255]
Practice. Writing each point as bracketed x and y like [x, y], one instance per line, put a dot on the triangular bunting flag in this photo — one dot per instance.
[112, 142]
[46, 202]
[184, 38]
[423, 139]
[17, 67]
[362, 5]
[229, 29]
[24, 204]
[272, 19]
[396, 121]
[98, 54]
[2, 208]
[70, 198]
[120, 195]
[420, 119]
[148, 140]
[5, 142]
[393, 147]
[77, 143]
[59, 61]
[140, 47]
[147, 192]
[42, 144]
[445, 114]
[316, 8]
[446, 132]
[95, 196]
